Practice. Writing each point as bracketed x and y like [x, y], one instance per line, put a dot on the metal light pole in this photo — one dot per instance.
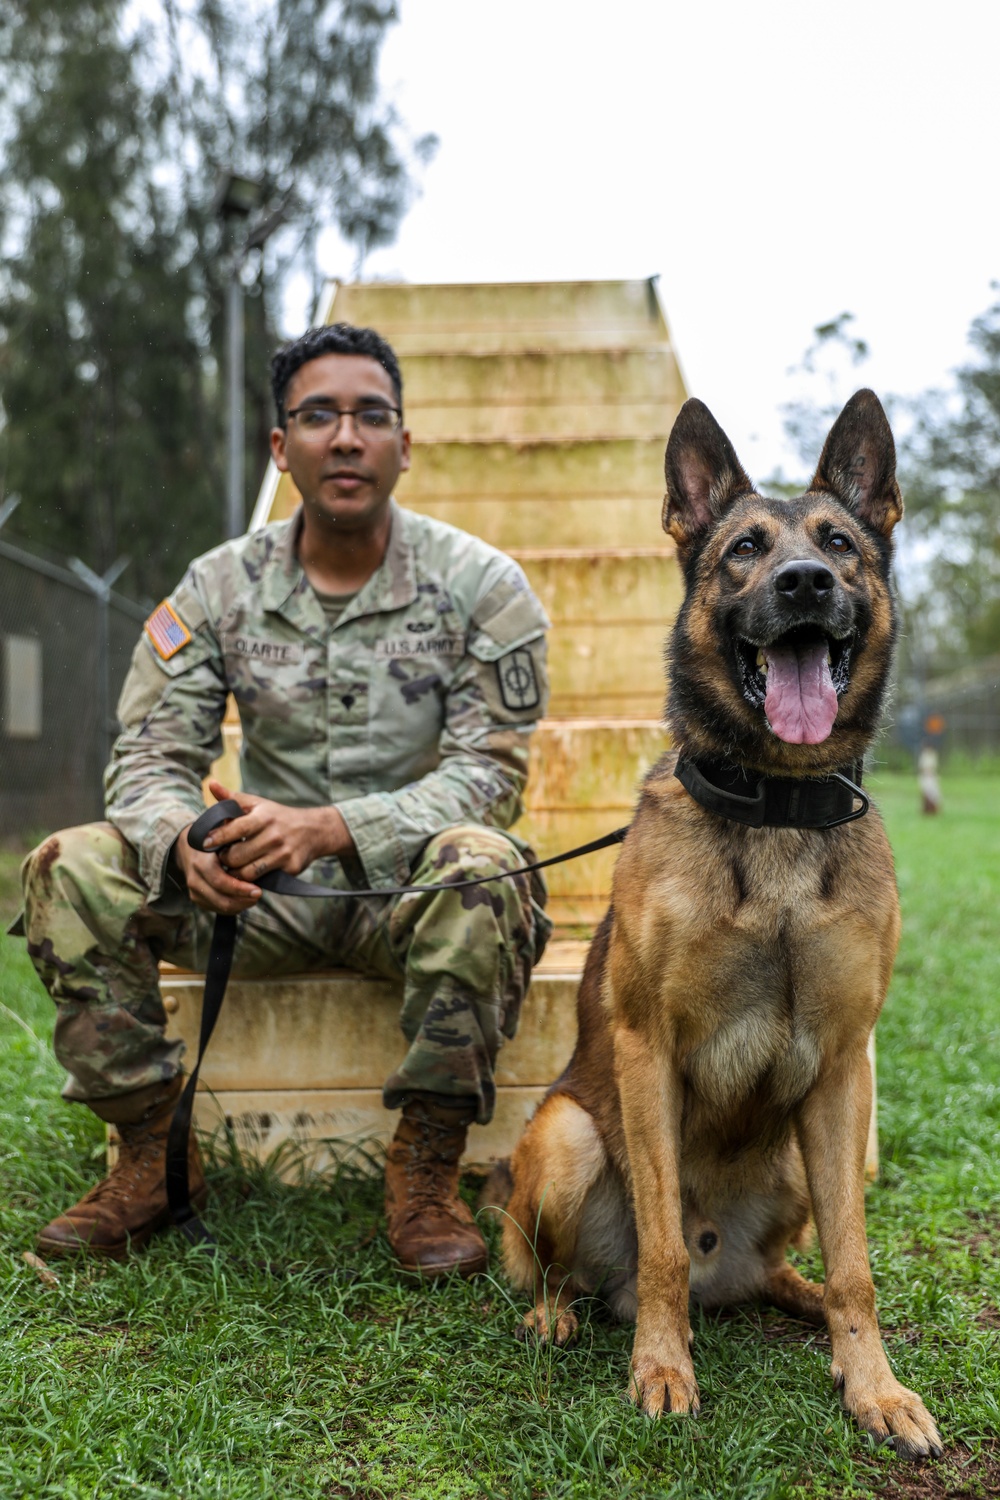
[235, 493]
[236, 198]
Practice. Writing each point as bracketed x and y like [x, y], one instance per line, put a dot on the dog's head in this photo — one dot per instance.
[781, 650]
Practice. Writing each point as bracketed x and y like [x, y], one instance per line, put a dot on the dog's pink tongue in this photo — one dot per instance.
[801, 701]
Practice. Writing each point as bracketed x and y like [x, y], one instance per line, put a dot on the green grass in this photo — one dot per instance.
[178, 1376]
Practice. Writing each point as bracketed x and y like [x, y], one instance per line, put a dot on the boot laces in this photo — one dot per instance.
[428, 1172]
[135, 1159]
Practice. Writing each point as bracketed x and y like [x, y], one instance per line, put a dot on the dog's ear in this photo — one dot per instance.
[703, 474]
[858, 463]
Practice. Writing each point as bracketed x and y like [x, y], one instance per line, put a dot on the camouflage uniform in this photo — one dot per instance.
[411, 713]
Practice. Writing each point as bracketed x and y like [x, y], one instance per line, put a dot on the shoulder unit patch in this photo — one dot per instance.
[518, 682]
[167, 632]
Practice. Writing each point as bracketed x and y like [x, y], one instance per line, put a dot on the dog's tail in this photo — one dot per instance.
[496, 1190]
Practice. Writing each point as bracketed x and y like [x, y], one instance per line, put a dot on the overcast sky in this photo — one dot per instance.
[776, 163]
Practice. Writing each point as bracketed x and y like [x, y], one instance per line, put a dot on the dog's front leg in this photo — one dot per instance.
[651, 1097]
[833, 1128]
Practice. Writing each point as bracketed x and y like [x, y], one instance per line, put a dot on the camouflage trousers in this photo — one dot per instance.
[464, 957]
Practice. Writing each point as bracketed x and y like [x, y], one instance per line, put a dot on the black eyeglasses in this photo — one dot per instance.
[320, 423]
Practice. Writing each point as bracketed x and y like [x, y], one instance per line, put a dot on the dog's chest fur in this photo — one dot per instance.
[759, 942]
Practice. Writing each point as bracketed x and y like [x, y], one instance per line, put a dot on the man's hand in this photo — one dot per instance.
[268, 836]
[209, 883]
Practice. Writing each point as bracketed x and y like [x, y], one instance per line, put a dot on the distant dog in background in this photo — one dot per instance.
[720, 1089]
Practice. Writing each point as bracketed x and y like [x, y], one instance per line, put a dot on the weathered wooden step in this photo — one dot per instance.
[611, 670]
[555, 423]
[575, 765]
[541, 377]
[612, 585]
[594, 764]
[573, 494]
[304, 1059]
[316, 1131]
[543, 395]
[610, 613]
[577, 467]
[500, 316]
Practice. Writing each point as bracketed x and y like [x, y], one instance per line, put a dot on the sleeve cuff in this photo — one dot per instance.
[154, 849]
[379, 848]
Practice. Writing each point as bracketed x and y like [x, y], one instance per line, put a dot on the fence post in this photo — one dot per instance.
[100, 587]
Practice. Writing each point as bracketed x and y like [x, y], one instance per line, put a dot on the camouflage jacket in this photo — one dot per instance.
[412, 713]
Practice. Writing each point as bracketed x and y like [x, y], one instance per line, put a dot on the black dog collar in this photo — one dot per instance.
[774, 801]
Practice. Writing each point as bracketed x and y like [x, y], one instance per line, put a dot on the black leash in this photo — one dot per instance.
[220, 962]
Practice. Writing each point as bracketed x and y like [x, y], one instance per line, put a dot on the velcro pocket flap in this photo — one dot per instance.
[149, 677]
[520, 620]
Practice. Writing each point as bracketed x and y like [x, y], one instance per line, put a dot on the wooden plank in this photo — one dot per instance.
[614, 666]
[595, 588]
[579, 467]
[341, 1030]
[498, 316]
[574, 914]
[567, 828]
[575, 764]
[552, 423]
[630, 702]
[603, 379]
[591, 763]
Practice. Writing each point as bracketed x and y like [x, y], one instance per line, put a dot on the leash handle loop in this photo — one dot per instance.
[211, 819]
[857, 812]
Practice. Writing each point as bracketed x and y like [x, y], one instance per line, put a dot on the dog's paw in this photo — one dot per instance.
[893, 1415]
[658, 1387]
[539, 1326]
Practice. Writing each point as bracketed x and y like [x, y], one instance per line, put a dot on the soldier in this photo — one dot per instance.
[389, 670]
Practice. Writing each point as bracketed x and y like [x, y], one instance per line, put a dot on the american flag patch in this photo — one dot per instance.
[167, 631]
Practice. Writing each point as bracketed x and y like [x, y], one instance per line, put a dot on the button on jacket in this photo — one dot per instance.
[412, 712]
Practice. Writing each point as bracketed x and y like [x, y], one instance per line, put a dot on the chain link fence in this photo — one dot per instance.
[958, 715]
[65, 646]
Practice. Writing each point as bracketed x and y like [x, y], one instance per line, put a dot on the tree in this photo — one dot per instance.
[99, 371]
[828, 366]
[952, 481]
[113, 261]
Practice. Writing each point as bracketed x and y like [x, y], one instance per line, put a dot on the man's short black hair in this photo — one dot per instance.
[331, 338]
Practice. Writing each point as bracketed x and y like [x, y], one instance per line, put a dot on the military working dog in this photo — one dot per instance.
[720, 1091]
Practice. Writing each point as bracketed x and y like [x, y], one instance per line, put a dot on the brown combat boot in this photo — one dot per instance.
[431, 1230]
[130, 1205]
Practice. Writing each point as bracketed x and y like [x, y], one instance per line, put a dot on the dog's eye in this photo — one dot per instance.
[745, 547]
[839, 543]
